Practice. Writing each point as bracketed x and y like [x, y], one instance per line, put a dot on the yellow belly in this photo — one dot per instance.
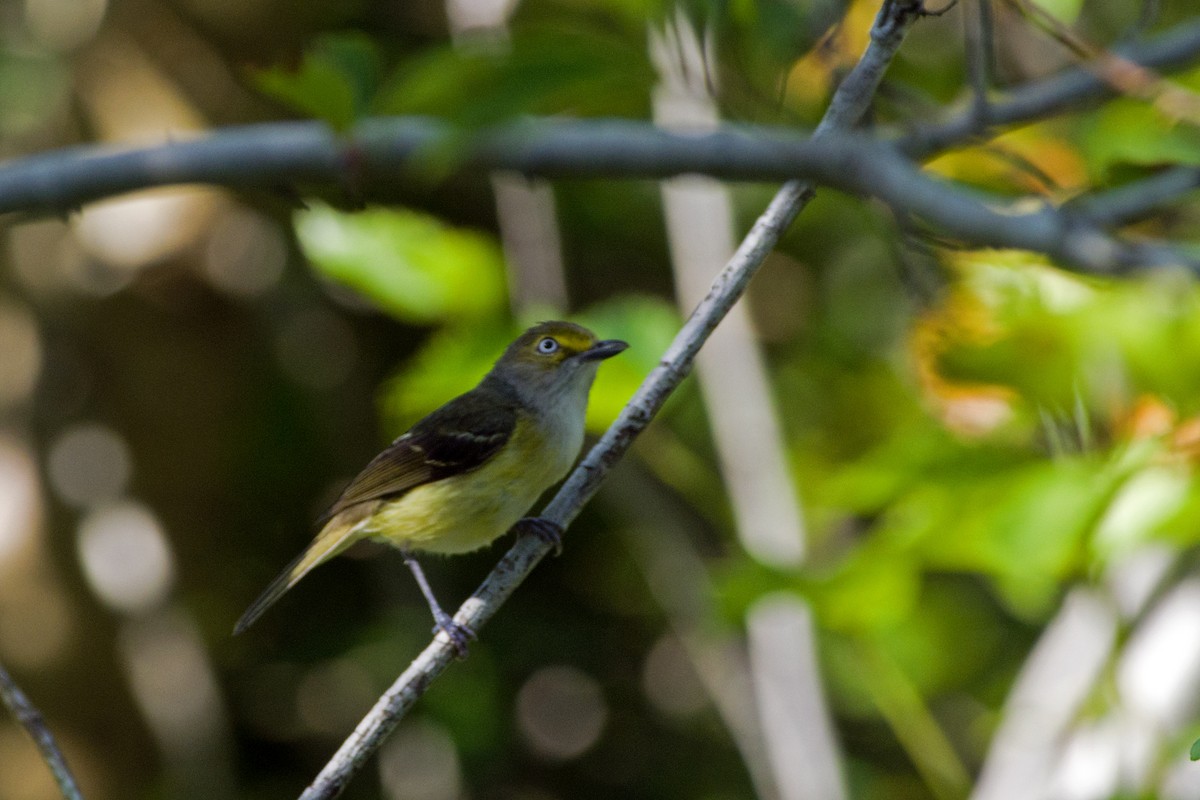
[466, 512]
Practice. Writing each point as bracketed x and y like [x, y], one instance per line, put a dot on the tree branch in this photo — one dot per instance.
[1070, 88]
[387, 149]
[33, 723]
[297, 152]
[851, 163]
[980, 52]
[1136, 200]
[849, 103]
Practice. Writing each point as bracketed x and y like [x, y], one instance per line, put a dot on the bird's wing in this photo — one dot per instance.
[459, 437]
[456, 438]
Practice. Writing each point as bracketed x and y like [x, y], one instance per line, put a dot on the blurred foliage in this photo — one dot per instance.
[336, 79]
[972, 435]
[558, 70]
[1065, 11]
[415, 267]
[31, 83]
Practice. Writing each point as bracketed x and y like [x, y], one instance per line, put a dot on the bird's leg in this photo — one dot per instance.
[459, 635]
[547, 530]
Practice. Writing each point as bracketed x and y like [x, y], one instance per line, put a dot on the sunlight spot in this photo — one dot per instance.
[20, 354]
[669, 680]
[1090, 764]
[561, 711]
[138, 230]
[64, 24]
[88, 464]
[246, 253]
[421, 763]
[125, 556]
[35, 626]
[1159, 672]
[173, 684]
[1133, 578]
[19, 496]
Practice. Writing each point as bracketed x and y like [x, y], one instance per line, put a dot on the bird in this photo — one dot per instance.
[469, 471]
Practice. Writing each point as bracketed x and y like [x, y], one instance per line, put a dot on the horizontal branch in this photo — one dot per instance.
[390, 147]
[288, 153]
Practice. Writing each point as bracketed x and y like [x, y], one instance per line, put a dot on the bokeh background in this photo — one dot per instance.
[923, 526]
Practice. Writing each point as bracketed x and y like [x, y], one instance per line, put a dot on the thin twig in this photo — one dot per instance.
[1136, 200]
[847, 106]
[1071, 88]
[977, 24]
[35, 725]
[1120, 73]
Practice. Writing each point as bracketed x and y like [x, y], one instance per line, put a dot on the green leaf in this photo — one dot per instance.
[1095, 341]
[32, 85]
[335, 81]
[1194, 754]
[411, 265]
[1144, 508]
[1065, 11]
[450, 362]
[869, 591]
[546, 71]
[1129, 131]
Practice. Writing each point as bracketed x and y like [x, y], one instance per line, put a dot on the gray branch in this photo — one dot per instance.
[387, 150]
[1137, 200]
[853, 163]
[286, 154]
[33, 723]
[850, 102]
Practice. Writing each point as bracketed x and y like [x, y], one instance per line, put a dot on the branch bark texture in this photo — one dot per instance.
[850, 102]
[850, 162]
[383, 151]
[32, 721]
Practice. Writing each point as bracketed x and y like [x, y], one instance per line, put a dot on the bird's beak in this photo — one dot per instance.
[605, 349]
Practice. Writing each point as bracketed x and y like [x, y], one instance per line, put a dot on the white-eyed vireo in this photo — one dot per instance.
[466, 473]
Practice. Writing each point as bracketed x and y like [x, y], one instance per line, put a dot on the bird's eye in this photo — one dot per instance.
[547, 346]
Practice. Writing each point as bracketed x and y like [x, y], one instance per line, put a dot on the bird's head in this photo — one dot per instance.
[555, 358]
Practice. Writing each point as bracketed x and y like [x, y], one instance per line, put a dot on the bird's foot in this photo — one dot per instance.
[460, 635]
[547, 530]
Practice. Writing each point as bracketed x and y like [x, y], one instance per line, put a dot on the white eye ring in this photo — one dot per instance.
[547, 346]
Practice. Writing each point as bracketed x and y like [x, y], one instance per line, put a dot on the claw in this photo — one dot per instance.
[460, 635]
[547, 530]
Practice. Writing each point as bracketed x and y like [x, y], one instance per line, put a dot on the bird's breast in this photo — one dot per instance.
[465, 512]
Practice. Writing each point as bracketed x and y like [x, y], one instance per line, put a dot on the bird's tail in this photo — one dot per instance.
[332, 540]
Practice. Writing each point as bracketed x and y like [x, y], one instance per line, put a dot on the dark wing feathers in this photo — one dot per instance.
[458, 437]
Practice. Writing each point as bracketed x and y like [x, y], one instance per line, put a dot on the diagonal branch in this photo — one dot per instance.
[33, 723]
[849, 103]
